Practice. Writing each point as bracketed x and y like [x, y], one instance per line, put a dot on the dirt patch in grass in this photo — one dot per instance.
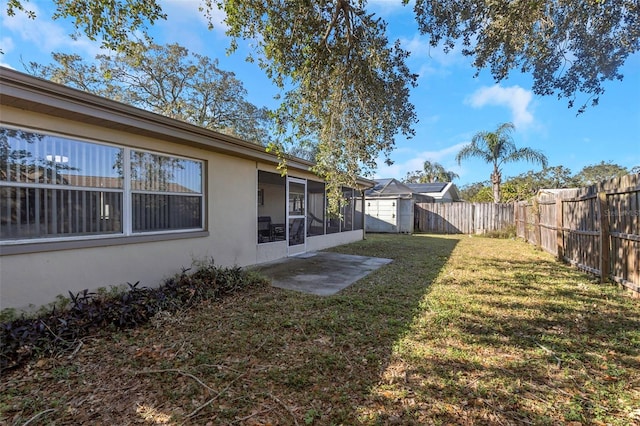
[456, 330]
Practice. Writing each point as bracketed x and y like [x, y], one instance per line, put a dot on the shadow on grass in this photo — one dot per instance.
[455, 330]
[512, 337]
[563, 306]
[267, 356]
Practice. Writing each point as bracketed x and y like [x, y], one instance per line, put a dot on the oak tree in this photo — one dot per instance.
[596, 173]
[167, 80]
[569, 47]
[346, 85]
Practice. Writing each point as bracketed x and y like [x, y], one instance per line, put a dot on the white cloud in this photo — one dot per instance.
[399, 170]
[6, 44]
[45, 34]
[442, 154]
[184, 12]
[517, 99]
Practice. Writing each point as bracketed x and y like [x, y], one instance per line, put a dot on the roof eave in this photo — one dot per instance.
[35, 94]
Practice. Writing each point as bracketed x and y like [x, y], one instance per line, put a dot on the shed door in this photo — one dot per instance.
[382, 215]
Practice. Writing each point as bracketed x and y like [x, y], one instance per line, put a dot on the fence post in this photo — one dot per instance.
[473, 218]
[536, 222]
[526, 223]
[604, 236]
[559, 226]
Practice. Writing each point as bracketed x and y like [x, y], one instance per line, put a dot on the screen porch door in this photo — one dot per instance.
[296, 216]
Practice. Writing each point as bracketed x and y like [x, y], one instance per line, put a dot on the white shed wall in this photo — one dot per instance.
[405, 216]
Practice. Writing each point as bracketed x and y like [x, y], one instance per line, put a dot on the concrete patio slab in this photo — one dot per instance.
[320, 273]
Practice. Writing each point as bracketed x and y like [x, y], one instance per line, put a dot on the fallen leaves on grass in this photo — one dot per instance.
[454, 331]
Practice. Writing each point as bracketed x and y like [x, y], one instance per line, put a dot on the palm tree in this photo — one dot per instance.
[497, 148]
[435, 172]
[432, 172]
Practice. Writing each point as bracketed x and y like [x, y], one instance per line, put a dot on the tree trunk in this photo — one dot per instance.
[495, 181]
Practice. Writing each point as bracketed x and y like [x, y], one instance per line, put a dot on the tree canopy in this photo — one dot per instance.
[431, 172]
[346, 86]
[596, 173]
[526, 185]
[167, 80]
[569, 47]
[111, 21]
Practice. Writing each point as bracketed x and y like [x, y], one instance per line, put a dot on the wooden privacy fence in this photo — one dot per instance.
[596, 228]
[462, 218]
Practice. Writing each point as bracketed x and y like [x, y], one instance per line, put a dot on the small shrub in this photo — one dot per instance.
[59, 327]
[8, 314]
[508, 232]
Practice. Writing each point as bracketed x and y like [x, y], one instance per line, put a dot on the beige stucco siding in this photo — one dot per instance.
[232, 210]
[37, 278]
[35, 273]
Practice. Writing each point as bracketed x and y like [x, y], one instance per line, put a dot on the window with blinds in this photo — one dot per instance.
[57, 187]
[166, 192]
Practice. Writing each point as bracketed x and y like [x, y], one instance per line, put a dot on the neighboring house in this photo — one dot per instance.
[95, 193]
[390, 206]
[441, 192]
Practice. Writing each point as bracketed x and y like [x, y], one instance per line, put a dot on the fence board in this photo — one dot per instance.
[596, 228]
[462, 218]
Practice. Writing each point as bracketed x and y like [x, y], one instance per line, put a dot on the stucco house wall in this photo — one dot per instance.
[35, 272]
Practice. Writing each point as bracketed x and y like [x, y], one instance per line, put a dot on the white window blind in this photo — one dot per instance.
[56, 187]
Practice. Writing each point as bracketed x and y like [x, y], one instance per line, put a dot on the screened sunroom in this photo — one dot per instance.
[293, 210]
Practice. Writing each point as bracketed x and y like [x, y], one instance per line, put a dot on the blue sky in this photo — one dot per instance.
[452, 105]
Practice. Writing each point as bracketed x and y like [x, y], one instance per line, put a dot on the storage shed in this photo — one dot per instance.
[390, 205]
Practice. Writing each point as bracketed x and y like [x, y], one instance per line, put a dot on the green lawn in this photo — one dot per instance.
[458, 329]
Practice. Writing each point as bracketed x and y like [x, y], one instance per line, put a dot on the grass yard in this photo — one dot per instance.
[457, 330]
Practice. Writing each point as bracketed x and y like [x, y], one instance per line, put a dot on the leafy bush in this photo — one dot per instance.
[59, 328]
[506, 233]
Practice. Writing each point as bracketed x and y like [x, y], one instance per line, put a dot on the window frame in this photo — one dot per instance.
[129, 191]
[28, 245]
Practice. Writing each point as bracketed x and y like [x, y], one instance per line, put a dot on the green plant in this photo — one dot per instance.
[310, 416]
[59, 326]
[8, 314]
[508, 232]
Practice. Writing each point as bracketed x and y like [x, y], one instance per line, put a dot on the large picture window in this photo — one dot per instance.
[56, 187]
[166, 192]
